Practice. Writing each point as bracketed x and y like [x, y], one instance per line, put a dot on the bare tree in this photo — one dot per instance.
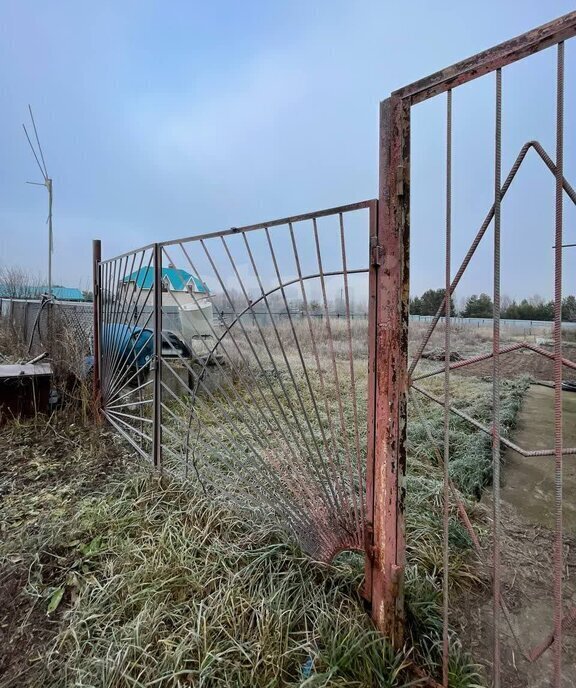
[18, 283]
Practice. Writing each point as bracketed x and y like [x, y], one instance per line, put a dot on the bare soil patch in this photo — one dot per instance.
[527, 552]
[523, 362]
[527, 588]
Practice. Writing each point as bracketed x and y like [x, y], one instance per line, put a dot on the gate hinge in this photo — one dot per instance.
[369, 540]
[376, 252]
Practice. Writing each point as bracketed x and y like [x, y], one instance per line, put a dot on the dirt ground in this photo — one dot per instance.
[527, 555]
[529, 481]
[524, 362]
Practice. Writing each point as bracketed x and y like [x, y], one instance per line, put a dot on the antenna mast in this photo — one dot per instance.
[48, 184]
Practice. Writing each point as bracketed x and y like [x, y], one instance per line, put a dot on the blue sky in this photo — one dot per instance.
[161, 120]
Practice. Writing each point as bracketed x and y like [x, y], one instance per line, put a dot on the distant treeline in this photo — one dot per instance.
[482, 306]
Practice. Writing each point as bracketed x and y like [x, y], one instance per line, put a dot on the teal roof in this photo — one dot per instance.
[66, 293]
[32, 292]
[179, 279]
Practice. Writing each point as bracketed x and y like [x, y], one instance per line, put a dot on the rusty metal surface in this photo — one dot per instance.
[374, 262]
[558, 360]
[489, 60]
[483, 228]
[157, 365]
[492, 60]
[496, 387]
[391, 329]
[265, 409]
[275, 223]
[447, 358]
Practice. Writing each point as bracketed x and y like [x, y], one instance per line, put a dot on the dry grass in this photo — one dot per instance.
[12, 344]
[126, 579]
[154, 582]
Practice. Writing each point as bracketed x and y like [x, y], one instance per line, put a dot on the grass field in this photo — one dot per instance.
[112, 576]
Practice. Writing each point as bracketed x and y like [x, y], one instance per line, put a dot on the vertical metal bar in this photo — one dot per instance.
[115, 363]
[332, 457]
[374, 262]
[97, 315]
[447, 310]
[352, 378]
[50, 236]
[496, 380]
[558, 420]
[391, 371]
[329, 335]
[157, 372]
[25, 328]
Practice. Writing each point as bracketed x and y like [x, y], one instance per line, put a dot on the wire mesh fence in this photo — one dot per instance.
[30, 321]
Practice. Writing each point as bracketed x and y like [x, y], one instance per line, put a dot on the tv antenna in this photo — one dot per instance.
[46, 183]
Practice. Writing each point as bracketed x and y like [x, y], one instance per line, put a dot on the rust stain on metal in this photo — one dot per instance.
[390, 365]
[489, 60]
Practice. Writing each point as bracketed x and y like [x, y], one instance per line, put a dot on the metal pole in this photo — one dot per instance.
[50, 241]
[496, 375]
[96, 307]
[558, 411]
[391, 371]
[26, 327]
[157, 370]
[372, 310]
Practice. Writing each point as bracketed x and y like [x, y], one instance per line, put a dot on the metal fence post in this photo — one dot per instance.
[374, 262]
[25, 329]
[390, 371]
[97, 312]
[157, 369]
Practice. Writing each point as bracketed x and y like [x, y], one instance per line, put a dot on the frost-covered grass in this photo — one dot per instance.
[128, 579]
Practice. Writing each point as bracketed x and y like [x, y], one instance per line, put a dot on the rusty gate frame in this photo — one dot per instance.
[389, 309]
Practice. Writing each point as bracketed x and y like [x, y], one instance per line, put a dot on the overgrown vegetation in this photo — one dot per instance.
[113, 576]
[128, 579]
[470, 451]
[138, 581]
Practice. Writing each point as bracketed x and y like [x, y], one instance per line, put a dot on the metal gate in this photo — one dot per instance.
[240, 359]
[397, 376]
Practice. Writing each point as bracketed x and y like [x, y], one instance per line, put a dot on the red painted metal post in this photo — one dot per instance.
[96, 306]
[391, 378]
